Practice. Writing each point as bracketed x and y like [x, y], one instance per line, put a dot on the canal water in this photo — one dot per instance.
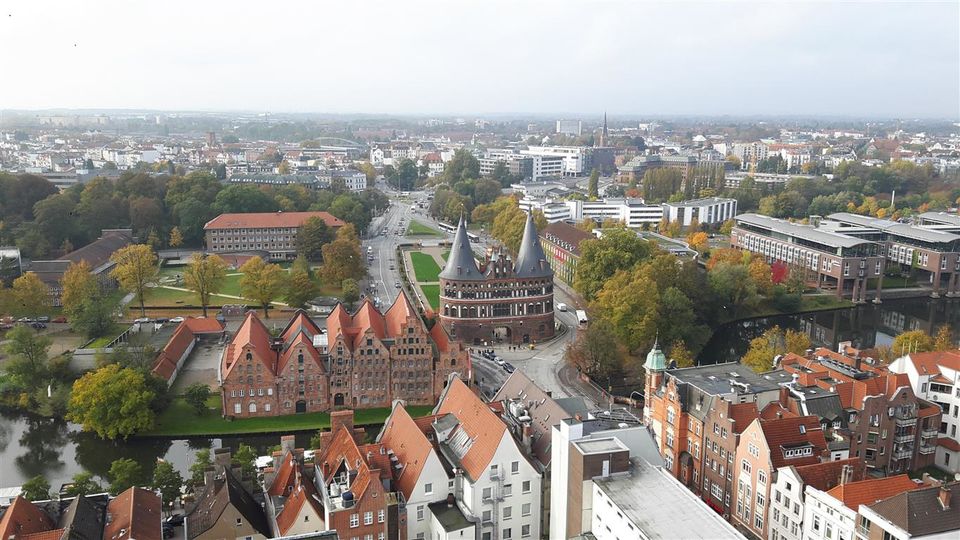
[58, 450]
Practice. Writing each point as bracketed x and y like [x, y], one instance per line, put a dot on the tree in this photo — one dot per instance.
[246, 458]
[596, 351]
[124, 474]
[618, 249]
[168, 482]
[205, 275]
[36, 489]
[680, 354]
[632, 315]
[349, 291]
[342, 258]
[762, 275]
[136, 267]
[261, 282]
[94, 316]
[698, 241]
[943, 341]
[463, 166]
[78, 284]
[911, 342]
[112, 401]
[176, 238]
[28, 366]
[200, 465]
[313, 235]
[733, 287]
[594, 184]
[772, 343]
[243, 198]
[300, 286]
[196, 396]
[83, 484]
[31, 297]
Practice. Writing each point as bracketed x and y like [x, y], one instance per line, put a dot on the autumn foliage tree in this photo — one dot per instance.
[342, 258]
[205, 275]
[775, 341]
[112, 401]
[136, 268]
[262, 282]
[29, 296]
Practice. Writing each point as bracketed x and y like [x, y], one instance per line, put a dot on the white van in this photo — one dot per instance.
[561, 306]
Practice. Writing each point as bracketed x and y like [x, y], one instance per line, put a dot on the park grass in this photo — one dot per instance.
[425, 267]
[164, 297]
[432, 293]
[103, 341]
[180, 420]
[415, 228]
[445, 255]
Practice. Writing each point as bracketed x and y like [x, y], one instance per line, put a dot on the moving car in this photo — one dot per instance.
[499, 361]
[508, 367]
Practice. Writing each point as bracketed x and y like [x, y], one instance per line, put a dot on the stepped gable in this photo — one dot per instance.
[531, 261]
[399, 313]
[253, 334]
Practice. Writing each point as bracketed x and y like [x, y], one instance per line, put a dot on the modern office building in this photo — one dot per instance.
[829, 260]
[570, 127]
[271, 232]
[930, 249]
[709, 211]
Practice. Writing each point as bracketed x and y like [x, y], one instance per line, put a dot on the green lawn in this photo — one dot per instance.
[102, 342]
[163, 297]
[425, 267]
[180, 420]
[415, 228]
[432, 292]
[446, 254]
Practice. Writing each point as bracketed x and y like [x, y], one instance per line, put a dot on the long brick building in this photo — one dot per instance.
[503, 300]
[360, 360]
[274, 233]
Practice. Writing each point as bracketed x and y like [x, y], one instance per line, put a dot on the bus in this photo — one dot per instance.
[473, 238]
[446, 227]
[582, 318]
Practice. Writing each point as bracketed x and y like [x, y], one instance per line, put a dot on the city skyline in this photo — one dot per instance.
[687, 59]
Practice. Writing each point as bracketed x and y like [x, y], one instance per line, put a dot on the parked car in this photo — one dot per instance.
[499, 361]
[396, 284]
[44, 318]
[508, 367]
[142, 320]
[176, 520]
[38, 325]
[177, 320]
[60, 319]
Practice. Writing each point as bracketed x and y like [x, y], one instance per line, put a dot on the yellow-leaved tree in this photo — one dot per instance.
[262, 282]
[205, 275]
[136, 268]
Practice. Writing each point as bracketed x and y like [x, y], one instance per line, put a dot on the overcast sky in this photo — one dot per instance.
[421, 57]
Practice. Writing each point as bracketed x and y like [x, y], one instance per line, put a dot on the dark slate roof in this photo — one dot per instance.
[825, 406]
[215, 499]
[82, 520]
[920, 513]
[449, 516]
[531, 261]
[460, 263]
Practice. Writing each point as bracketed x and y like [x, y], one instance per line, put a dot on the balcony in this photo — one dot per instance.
[903, 453]
[926, 450]
[929, 433]
[905, 421]
[903, 438]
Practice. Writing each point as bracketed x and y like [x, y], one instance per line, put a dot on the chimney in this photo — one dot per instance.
[208, 475]
[944, 496]
[287, 444]
[451, 500]
[527, 438]
[341, 418]
[779, 415]
[846, 474]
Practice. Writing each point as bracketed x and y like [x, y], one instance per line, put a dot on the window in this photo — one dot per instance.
[380, 516]
[526, 486]
[419, 512]
[379, 536]
[508, 490]
[428, 488]
[525, 531]
[525, 509]
[486, 493]
[762, 477]
[758, 521]
[239, 522]
[236, 408]
[507, 534]
[816, 523]
[745, 466]
[354, 520]
[368, 518]
[515, 467]
[507, 512]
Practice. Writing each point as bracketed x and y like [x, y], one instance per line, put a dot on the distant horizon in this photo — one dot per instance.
[612, 116]
[864, 60]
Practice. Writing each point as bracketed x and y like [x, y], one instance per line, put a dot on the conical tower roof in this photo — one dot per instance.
[461, 264]
[656, 360]
[531, 262]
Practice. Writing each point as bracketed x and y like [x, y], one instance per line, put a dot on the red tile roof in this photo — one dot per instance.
[302, 492]
[261, 220]
[23, 518]
[367, 318]
[928, 363]
[742, 415]
[786, 433]
[284, 481]
[775, 410]
[479, 423]
[55, 534]
[402, 435]
[166, 363]
[136, 513]
[253, 333]
[825, 476]
[343, 451]
[853, 494]
[203, 325]
[949, 444]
